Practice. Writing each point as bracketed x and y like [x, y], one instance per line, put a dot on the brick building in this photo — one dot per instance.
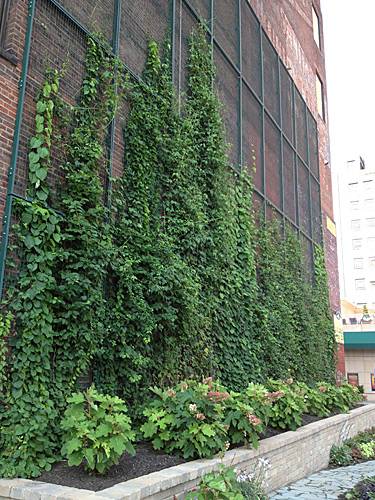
[270, 76]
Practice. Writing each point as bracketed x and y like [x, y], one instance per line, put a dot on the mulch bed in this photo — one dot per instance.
[144, 462]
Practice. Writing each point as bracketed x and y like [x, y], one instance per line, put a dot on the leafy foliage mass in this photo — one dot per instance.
[196, 419]
[357, 449]
[173, 281]
[97, 430]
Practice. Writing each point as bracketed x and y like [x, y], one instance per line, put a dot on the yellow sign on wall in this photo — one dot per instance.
[331, 226]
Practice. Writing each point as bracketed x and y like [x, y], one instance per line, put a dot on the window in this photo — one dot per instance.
[369, 203]
[368, 186]
[357, 244]
[316, 27]
[371, 261]
[372, 285]
[360, 284]
[371, 242]
[370, 222]
[358, 263]
[320, 96]
[354, 205]
[4, 13]
[356, 224]
[353, 379]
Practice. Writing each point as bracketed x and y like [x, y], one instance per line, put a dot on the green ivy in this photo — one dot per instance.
[28, 424]
[298, 334]
[5, 331]
[226, 259]
[156, 324]
[79, 315]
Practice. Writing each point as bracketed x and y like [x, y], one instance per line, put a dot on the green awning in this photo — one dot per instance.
[359, 340]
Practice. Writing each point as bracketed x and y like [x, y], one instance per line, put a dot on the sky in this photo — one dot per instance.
[349, 39]
[349, 43]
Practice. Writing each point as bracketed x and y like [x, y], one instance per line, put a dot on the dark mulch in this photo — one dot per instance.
[144, 462]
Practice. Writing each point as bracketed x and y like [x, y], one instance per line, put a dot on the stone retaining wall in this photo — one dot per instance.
[291, 456]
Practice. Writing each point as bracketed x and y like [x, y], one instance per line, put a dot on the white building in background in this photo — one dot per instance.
[356, 197]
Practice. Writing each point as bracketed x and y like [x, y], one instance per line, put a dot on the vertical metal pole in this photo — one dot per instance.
[212, 33]
[173, 39]
[295, 158]
[16, 141]
[112, 127]
[240, 115]
[309, 193]
[281, 165]
[263, 142]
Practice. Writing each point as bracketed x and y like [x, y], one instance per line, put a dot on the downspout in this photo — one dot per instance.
[15, 146]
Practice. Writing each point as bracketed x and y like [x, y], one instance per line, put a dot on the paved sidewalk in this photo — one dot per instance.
[327, 484]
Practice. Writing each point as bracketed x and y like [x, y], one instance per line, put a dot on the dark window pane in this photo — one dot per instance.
[286, 103]
[289, 182]
[252, 136]
[227, 84]
[141, 22]
[303, 197]
[95, 16]
[201, 7]
[300, 110]
[226, 27]
[313, 145]
[251, 64]
[258, 205]
[272, 162]
[188, 23]
[271, 79]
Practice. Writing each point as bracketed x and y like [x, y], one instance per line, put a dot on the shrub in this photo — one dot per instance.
[187, 419]
[340, 455]
[315, 401]
[244, 424]
[287, 407]
[367, 450]
[97, 430]
[260, 400]
[336, 399]
[218, 485]
[351, 394]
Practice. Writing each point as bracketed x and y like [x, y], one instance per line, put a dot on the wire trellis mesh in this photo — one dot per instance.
[262, 109]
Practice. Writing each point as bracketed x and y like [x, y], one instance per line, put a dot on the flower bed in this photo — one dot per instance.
[291, 455]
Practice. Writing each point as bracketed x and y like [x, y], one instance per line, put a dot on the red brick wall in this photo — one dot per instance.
[288, 23]
[10, 73]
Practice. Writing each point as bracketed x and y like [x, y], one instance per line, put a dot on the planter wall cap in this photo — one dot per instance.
[121, 491]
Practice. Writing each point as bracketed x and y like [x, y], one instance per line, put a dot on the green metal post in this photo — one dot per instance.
[240, 139]
[263, 142]
[173, 39]
[16, 141]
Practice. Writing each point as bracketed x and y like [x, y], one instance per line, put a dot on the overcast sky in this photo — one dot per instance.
[349, 36]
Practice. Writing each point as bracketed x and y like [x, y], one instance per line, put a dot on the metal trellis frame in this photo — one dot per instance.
[236, 66]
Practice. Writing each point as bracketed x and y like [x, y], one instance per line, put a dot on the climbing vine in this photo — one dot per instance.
[79, 318]
[28, 434]
[227, 267]
[175, 280]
